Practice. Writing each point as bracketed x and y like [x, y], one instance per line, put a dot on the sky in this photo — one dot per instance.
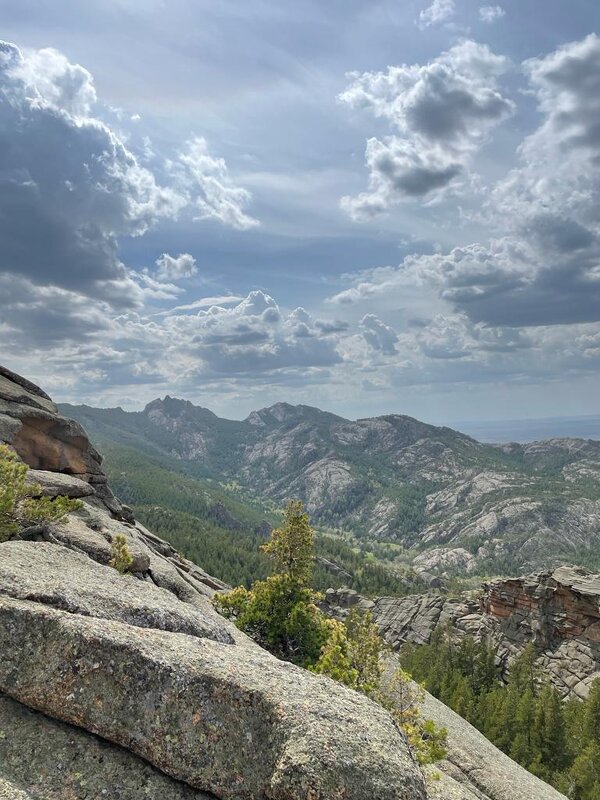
[372, 207]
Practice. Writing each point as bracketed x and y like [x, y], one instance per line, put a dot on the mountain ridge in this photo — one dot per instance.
[450, 503]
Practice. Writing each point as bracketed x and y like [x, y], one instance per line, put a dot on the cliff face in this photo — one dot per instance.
[558, 605]
[557, 611]
[133, 686]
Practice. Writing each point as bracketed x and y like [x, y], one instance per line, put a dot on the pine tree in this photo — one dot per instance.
[522, 748]
[291, 546]
[549, 730]
[281, 612]
[585, 773]
[592, 714]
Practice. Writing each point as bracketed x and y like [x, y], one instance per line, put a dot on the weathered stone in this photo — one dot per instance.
[70, 581]
[228, 719]
[52, 484]
[176, 692]
[42, 759]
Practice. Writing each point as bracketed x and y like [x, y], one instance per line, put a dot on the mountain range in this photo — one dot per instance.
[416, 494]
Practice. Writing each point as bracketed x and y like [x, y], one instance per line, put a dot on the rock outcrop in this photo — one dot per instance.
[557, 611]
[474, 769]
[133, 686]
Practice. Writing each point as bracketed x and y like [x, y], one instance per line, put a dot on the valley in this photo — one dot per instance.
[416, 497]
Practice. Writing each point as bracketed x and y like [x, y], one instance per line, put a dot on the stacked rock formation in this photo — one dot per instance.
[557, 611]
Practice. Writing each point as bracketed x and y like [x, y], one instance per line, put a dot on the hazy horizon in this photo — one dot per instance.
[495, 431]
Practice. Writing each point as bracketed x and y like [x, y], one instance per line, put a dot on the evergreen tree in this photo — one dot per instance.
[549, 730]
[585, 773]
[522, 748]
[280, 613]
[591, 724]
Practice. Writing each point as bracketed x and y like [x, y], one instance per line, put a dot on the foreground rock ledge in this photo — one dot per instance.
[42, 759]
[227, 719]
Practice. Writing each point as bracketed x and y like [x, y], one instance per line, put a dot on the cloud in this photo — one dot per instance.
[331, 326]
[442, 112]
[175, 268]
[378, 335]
[439, 11]
[71, 188]
[546, 271]
[68, 185]
[490, 14]
[207, 177]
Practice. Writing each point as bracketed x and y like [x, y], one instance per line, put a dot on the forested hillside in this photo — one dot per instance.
[559, 741]
[399, 488]
[223, 527]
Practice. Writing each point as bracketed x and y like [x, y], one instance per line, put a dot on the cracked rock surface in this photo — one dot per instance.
[131, 687]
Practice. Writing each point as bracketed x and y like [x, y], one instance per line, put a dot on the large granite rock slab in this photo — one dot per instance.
[42, 759]
[60, 578]
[228, 719]
[52, 484]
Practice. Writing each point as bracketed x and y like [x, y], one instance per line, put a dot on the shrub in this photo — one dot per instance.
[17, 508]
[355, 655]
[121, 557]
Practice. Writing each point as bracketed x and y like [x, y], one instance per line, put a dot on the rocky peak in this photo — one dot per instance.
[175, 407]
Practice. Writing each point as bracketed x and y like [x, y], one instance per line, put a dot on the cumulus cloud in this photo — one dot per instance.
[439, 11]
[441, 112]
[378, 335]
[68, 185]
[70, 189]
[527, 302]
[251, 341]
[490, 14]
[207, 177]
[175, 268]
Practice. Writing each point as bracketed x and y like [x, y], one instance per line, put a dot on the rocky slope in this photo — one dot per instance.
[129, 687]
[557, 611]
[457, 506]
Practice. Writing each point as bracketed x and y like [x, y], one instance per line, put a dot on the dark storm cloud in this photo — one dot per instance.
[68, 185]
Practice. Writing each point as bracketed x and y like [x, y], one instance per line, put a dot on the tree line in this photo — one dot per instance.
[526, 717]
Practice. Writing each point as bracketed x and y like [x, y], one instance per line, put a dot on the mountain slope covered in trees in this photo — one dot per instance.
[427, 495]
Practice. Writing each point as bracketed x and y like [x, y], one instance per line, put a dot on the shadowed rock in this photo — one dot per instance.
[43, 759]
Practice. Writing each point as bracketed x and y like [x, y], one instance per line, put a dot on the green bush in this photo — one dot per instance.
[355, 656]
[121, 557]
[18, 509]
